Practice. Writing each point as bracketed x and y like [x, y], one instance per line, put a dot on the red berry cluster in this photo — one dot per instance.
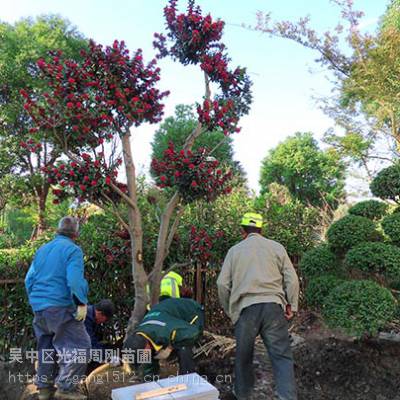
[31, 145]
[197, 39]
[193, 174]
[219, 114]
[192, 34]
[120, 252]
[85, 179]
[202, 243]
[86, 102]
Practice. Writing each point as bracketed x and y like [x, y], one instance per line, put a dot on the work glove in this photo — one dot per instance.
[163, 354]
[80, 313]
[115, 361]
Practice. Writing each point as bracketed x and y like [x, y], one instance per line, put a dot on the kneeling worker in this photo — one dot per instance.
[98, 314]
[171, 325]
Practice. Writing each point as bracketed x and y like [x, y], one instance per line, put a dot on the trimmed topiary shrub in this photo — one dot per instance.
[350, 231]
[386, 185]
[319, 288]
[359, 307]
[391, 226]
[375, 257]
[318, 261]
[372, 209]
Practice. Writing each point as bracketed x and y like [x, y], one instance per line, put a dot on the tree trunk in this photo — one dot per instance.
[136, 234]
[41, 225]
[41, 215]
[166, 231]
[162, 247]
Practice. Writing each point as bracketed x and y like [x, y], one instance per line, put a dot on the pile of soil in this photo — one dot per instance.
[335, 369]
[14, 377]
[326, 369]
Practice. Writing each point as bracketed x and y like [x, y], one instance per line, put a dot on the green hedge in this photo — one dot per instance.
[108, 267]
[319, 287]
[371, 209]
[16, 326]
[15, 329]
[106, 280]
[350, 231]
[391, 227]
[318, 261]
[372, 257]
[359, 308]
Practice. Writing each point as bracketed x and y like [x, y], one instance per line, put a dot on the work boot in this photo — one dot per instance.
[70, 395]
[46, 393]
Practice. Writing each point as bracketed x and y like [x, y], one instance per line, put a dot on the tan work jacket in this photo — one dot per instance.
[257, 270]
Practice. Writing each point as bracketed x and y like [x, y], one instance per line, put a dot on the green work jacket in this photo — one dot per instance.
[175, 322]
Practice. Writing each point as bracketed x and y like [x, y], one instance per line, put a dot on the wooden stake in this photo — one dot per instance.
[161, 391]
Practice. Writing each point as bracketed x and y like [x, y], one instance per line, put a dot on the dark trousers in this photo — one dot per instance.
[186, 362]
[267, 320]
[185, 358]
[60, 338]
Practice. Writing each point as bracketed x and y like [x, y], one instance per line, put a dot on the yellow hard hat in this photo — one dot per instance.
[176, 276]
[252, 219]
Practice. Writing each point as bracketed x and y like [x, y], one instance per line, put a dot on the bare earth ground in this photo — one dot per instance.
[328, 367]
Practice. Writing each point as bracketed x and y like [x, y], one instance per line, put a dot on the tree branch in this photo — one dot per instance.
[124, 196]
[198, 130]
[172, 267]
[164, 227]
[172, 231]
[115, 211]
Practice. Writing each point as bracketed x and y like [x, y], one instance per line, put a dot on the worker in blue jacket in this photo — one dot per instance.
[57, 292]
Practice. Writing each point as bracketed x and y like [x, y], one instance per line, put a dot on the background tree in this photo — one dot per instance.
[365, 85]
[22, 44]
[311, 175]
[297, 226]
[176, 129]
[391, 18]
[91, 106]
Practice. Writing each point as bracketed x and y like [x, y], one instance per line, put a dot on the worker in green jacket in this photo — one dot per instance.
[173, 325]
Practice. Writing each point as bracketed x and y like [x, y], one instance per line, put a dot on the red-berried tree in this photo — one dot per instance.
[92, 105]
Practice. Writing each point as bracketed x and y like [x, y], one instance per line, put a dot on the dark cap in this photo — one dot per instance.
[106, 307]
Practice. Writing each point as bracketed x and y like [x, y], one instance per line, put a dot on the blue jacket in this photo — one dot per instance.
[92, 329]
[56, 275]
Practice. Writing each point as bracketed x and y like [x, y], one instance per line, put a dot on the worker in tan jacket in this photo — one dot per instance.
[258, 288]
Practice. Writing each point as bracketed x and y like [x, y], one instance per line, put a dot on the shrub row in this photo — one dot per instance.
[355, 242]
